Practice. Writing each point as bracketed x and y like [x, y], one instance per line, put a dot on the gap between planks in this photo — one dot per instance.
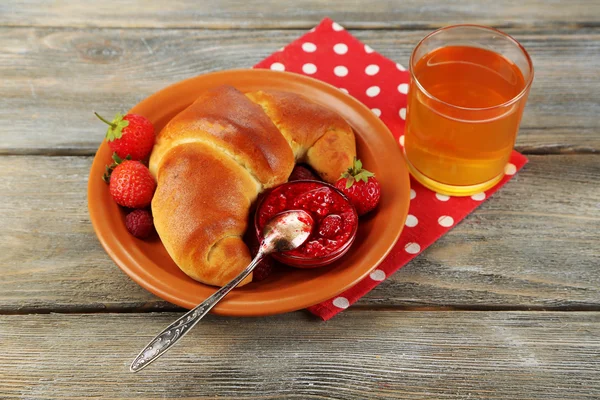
[591, 27]
[546, 25]
[169, 308]
[75, 152]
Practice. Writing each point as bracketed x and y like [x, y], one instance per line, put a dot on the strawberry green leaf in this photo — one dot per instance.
[118, 160]
[106, 175]
[356, 173]
[349, 182]
[364, 176]
[115, 128]
[357, 165]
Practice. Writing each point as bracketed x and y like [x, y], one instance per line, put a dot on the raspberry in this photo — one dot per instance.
[330, 226]
[318, 201]
[265, 266]
[139, 223]
[301, 173]
[263, 269]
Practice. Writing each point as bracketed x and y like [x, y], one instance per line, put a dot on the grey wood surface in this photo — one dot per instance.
[358, 355]
[491, 260]
[52, 73]
[468, 319]
[234, 14]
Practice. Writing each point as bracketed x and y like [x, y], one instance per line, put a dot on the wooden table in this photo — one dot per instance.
[507, 305]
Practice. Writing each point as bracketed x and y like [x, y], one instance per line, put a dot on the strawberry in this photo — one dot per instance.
[110, 168]
[361, 187]
[130, 135]
[301, 173]
[139, 223]
[131, 184]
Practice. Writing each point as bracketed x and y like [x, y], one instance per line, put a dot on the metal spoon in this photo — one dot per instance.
[286, 231]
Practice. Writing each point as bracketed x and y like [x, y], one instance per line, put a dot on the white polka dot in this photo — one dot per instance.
[510, 169]
[401, 140]
[376, 111]
[413, 194]
[400, 67]
[412, 248]
[377, 275]
[281, 49]
[403, 88]
[340, 70]
[478, 196]
[309, 47]
[340, 48]
[309, 68]
[368, 49]
[372, 69]
[337, 27]
[446, 221]
[411, 221]
[313, 29]
[402, 113]
[442, 197]
[278, 66]
[344, 90]
[373, 91]
[341, 302]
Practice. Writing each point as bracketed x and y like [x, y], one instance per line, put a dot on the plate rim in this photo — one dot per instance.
[122, 256]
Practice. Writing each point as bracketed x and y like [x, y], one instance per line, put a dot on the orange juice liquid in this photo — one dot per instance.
[464, 135]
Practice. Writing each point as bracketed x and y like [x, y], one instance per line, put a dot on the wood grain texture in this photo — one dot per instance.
[357, 355]
[232, 14]
[54, 78]
[535, 244]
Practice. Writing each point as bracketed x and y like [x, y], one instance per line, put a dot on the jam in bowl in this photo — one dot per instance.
[335, 221]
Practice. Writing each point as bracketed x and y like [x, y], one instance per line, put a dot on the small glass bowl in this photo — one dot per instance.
[306, 261]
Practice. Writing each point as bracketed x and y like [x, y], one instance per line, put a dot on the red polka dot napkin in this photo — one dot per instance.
[331, 54]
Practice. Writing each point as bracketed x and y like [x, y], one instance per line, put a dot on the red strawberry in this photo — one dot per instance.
[361, 187]
[130, 135]
[131, 184]
[139, 223]
[302, 173]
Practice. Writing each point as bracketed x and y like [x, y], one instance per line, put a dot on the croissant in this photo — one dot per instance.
[213, 159]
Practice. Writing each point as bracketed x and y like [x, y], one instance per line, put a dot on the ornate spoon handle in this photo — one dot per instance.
[178, 329]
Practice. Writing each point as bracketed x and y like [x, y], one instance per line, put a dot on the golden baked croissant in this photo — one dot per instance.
[214, 158]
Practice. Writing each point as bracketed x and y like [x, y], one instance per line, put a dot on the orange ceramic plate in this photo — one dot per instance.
[287, 289]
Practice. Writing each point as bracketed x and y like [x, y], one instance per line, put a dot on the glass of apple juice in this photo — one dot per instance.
[469, 85]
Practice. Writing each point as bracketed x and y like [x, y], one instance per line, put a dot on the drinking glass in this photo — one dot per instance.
[469, 85]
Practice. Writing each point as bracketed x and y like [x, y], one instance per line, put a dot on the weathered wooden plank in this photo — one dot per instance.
[357, 355]
[54, 78]
[231, 14]
[535, 244]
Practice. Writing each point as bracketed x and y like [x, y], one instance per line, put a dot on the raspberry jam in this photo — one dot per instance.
[335, 221]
